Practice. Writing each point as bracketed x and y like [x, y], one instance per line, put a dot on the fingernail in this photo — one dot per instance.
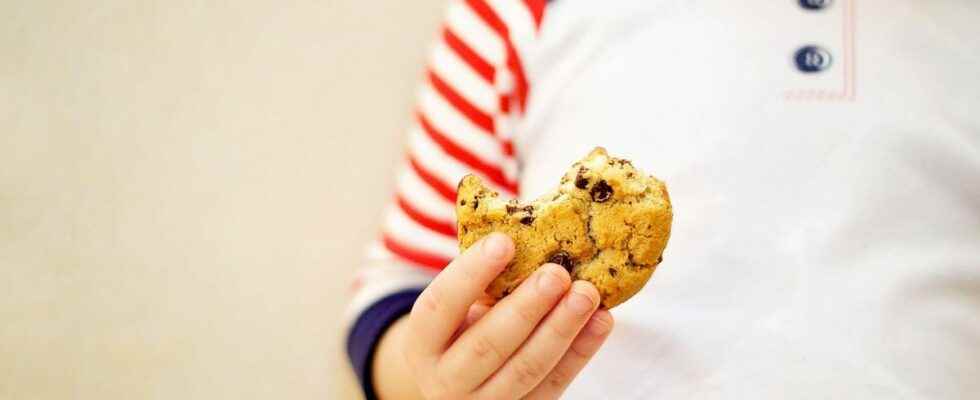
[580, 303]
[548, 283]
[598, 327]
[496, 246]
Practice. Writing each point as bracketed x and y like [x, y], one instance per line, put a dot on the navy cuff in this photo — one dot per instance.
[371, 324]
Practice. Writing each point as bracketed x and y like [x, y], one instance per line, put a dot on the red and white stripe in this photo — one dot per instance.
[424, 198]
[400, 226]
[463, 20]
[473, 87]
[467, 81]
[445, 118]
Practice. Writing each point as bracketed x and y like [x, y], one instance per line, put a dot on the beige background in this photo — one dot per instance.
[185, 187]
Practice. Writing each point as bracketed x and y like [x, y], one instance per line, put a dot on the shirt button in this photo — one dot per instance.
[812, 59]
[815, 4]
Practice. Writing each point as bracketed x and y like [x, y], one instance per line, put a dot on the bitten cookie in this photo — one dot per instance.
[607, 223]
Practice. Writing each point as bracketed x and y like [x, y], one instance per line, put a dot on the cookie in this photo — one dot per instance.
[607, 223]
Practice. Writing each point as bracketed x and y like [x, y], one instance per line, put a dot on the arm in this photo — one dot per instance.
[474, 84]
[392, 377]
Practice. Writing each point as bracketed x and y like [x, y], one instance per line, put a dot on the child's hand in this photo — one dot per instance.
[530, 344]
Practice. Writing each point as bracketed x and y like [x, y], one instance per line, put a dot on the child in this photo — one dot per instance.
[823, 159]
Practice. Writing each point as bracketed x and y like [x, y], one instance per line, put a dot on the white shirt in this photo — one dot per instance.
[826, 239]
[822, 157]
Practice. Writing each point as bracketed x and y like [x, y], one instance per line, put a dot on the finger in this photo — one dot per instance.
[486, 300]
[579, 353]
[442, 306]
[477, 311]
[549, 342]
[484, 347]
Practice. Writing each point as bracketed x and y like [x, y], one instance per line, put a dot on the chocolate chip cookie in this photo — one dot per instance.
[607, 223]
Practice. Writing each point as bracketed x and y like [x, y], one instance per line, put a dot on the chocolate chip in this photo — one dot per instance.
[601, 192]
[581, 181]
[462, 202]
[511, 209]
[629, 174]
[528, 209]
[506, 292]
[623, 162]
[476, 203]
[612, 272]
[562, 258]
[527, 220]
[660, 259]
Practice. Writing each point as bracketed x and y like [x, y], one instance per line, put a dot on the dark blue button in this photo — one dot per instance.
[815, 4]
[812, 59]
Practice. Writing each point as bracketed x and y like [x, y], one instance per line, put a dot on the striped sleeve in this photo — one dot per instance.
[473, 88]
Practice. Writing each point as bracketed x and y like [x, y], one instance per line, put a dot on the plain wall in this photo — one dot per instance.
[186, 187]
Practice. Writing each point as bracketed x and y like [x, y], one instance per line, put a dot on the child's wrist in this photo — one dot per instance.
[390, 374]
